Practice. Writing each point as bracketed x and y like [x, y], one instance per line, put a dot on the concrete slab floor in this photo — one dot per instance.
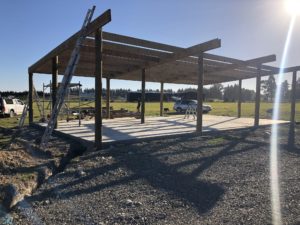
[121, 129]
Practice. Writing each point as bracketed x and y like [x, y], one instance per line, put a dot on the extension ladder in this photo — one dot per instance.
[62, 90]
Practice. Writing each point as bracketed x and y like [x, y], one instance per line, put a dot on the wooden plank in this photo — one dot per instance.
[98, 89]
[125, 51]
[30, 99]
[291, 139]
[138, 42]
[257, 98]
[231, 60]
[275, 70]
[251, 62]
[107, 98]
[240, 99]
[143, 96]
[194, 50]
[54, 82]
[161, 99]
[99, 22]
[163, 47]
[200, 95]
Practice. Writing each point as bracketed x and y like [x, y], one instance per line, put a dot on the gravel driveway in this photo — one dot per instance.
[217, 179]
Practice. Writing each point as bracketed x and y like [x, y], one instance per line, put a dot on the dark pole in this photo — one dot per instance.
[98, 88]
[293, 109]
[54, 82]
[161, 98]
[30, 102]
[240, 99]
[143, 96]
[257, 97]
[108, 98]
[200, 94]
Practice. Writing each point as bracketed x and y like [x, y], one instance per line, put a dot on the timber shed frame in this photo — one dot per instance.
[113, 56]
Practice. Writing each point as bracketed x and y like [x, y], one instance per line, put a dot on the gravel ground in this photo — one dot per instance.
[217, 179]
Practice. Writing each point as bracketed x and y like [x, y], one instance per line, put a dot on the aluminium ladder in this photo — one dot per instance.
[38, 102]
[62, 90]
[191, 110]
[26, 106]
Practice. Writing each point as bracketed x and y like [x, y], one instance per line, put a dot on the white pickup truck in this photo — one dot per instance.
[11, 106]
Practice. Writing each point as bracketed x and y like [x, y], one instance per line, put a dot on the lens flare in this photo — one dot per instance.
[293, 6]
[274, 173]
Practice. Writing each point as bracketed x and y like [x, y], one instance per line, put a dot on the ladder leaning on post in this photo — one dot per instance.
[66, 79]
[25, 109]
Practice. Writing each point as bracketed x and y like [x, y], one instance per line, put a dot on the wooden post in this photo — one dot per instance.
[240, 99]
[98, 89]
[54, 82]
[107, 98]
[30, 102]
[161, 98]
[143, 96]
[200, 94]
[257, 97]
[291, 138]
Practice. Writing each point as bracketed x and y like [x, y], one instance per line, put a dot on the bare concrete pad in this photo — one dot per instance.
[130, 128]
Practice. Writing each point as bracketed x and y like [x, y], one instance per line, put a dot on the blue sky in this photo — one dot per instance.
[248, 29]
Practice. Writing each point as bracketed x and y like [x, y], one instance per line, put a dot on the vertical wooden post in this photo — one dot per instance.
[143, 96]
[30, 102]
[200, 94]
[239, 100]
[98, 88]
[54, 82]
[161, 99]
[108, 98]
[257, 97]
[291, 138]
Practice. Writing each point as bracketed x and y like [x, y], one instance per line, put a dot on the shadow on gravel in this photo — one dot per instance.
[151, 165]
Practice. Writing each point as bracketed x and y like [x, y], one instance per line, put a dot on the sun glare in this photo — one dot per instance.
[293, 6]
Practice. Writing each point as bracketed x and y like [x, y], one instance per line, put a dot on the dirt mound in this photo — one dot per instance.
[23, 166]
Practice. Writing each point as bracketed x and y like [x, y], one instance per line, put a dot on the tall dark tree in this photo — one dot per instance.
[285, 93]
[269, 88]
[248, 95]
[298, 89]
[215, 91]
[231, 93]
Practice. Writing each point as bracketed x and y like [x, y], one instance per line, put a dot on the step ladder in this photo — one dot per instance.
[191, 110]
[62, 90]
[24, 114]
[26, 106]
[36, 98]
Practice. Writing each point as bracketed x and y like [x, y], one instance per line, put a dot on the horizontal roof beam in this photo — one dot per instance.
[276, 70]
[241, 64]
[194, 50]
[95, 24]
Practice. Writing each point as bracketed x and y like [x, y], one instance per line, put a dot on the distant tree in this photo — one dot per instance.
[231, 93]
[269, 88]
[298, 89]
[248, 95]
[285, 93]
[215, 91]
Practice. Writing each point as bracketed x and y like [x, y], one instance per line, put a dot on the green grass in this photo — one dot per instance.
[216, 141]
[152, 109]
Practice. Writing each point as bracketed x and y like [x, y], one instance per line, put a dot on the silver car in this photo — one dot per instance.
[182, 106]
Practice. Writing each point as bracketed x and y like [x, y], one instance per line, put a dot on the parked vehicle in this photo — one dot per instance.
[11, 106]
[182, 106]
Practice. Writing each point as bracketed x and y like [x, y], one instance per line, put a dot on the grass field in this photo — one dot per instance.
[152, 109]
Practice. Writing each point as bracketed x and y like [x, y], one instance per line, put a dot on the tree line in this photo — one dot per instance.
[229, 93]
